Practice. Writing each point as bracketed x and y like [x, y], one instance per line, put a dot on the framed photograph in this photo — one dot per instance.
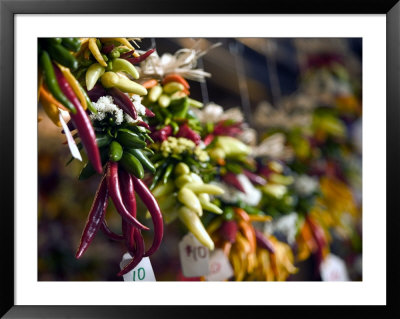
[254, 75]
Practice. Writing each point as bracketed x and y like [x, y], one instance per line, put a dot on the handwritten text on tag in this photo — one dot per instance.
[194, 257]
[333, 268]
[142, 272]
[220, 268]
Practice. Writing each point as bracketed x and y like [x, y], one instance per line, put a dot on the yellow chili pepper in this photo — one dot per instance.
[123, 41]
[84, 45]
[260, 218]
[74, 84]
[96, 52]
[190, 200]
[51, 110]
[193, 223]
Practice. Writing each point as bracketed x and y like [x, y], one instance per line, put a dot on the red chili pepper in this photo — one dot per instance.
[144, 124]
[123, 101]
[208, 139]
[126, 54]
[107, 48]
[140, 58]
[254, 178]
[162, 134]
[97, 92]
[227, 130]
[149, 113]
[115, 194]
[231, 179]
[138, 255]
[109, 233]
[81, 122]
[95, 218]
[155, 212]
[175, 78]
[319, 238]
[132, 235]
[187, 132]
[229, 230]
[264, 242]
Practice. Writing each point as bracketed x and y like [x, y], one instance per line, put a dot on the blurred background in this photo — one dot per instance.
[273, 81]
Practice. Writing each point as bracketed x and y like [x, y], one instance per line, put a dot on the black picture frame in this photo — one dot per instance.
[8, 10]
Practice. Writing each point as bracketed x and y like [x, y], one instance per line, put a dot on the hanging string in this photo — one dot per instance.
[153, 43]
[270, 57]
[236, 49]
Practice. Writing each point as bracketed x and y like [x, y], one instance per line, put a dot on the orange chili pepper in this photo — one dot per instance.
[173, 77]
[221, 162]
[249, 233]
[227, 248]
[186, 91]
[242, 214]
[47, 96]
[51, 110]
[150, 83]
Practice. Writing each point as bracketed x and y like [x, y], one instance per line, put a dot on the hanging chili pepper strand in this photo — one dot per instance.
[115, 194]
[95, 218]
[155, 212]
[134, 238]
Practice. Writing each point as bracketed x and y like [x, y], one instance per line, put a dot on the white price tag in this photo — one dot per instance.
[220, 267]
[333, 268]
[71, 142]
[194, 257]
[142, 272]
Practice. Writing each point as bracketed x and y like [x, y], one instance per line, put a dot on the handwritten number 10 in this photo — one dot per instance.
[141, 274]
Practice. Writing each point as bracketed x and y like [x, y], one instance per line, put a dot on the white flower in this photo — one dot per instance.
[104, 105]
[305, 185]
[137, 102]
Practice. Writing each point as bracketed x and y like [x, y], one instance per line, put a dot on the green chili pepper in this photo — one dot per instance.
[63, 56]
[105, 58]
[175, 127]
[143, 159]
[138, 129]
[52, 41]
[179, 107]
[88, 101]
[154, 93]
[115, 152]
[79, 73]
[73, 44]
[148, 150]
[229, 213]
[52, 83]
[158, 174]
[125, 66]
[115, 53]
[109, 66]
[147, 136]
[93, 74]
[233, 167]
[164, 100]
[132, 165]
[168, 172]
[98, 43]
[129, 139]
